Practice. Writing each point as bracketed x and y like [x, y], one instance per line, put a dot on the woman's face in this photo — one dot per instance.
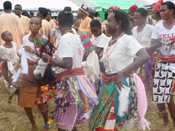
[96, 31]
[139, 19]
[35, 24]
[166, 13]
[112, 25]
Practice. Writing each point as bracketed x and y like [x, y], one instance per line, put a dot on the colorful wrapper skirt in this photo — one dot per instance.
[68, 101]
[106, 116]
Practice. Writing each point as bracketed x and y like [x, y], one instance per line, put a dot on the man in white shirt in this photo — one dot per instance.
[142, 32]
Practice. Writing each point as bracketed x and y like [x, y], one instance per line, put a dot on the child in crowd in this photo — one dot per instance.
[10, 61]
[8, 54]
[100, 40]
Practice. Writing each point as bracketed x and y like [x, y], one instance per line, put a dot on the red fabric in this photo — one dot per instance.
[157, 5]
[86, 39]
[69, 73]
[108, 79]
[167, 58]
[85, 36]
[133, 8]
[1, 66]
[87, 45]
[172, 40]
[112, 116]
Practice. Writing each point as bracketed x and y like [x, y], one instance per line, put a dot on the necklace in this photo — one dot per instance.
[111, 46]
[112, 41]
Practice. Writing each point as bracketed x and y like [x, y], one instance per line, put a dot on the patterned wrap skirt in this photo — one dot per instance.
[107, 111]
[163, 82]
[68, 102]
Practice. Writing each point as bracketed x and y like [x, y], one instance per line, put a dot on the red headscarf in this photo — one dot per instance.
[133, 8]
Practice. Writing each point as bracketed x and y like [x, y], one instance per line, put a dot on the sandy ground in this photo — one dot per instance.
[13, 118]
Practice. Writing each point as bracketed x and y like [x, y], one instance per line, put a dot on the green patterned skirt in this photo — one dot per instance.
[110, 95]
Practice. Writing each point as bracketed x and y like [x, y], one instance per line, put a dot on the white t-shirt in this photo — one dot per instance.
[167, 37]
[101, 41]
[9, 54]
[71, 46]
[121, 54]
[144, 36]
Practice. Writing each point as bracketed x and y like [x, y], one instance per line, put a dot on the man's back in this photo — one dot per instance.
[10, 22]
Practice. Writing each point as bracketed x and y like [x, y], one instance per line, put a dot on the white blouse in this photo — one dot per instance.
[121, 54]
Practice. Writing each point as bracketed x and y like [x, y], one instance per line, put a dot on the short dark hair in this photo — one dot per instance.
[25, 13]
[18, 6]
[67, 8]
[170, 5]
[95, 23]
[7, 5]
[65, 18]
[43, 11]
[36, 17]
[142, 11]
[122, 18]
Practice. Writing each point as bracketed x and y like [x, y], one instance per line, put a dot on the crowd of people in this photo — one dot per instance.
[97, 71]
